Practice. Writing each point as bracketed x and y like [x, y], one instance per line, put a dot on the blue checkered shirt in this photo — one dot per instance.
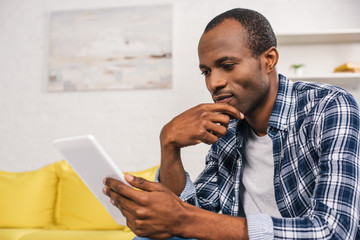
[315, 133]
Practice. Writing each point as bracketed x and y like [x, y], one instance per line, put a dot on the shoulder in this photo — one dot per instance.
[318, 91]
[321, 96]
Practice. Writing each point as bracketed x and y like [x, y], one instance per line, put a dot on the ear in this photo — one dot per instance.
[271, 57]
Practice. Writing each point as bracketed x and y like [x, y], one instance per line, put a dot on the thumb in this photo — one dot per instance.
[141, 183]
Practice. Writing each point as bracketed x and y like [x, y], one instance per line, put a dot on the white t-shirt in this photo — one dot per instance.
[257, 193]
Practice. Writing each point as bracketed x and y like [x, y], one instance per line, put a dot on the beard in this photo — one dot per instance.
[259, 96]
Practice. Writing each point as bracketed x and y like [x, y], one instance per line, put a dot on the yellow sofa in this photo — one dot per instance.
[52, 203]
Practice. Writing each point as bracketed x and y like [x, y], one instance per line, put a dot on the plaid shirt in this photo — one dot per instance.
[315, 133]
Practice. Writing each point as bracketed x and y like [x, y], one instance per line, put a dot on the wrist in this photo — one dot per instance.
[186, 225]
[202, 224]
[167, 143]
[165, 137]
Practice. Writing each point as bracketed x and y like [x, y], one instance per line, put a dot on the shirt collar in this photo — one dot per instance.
[285, 100]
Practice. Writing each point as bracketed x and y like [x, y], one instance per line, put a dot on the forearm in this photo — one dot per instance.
[172, 173]
[201, 224]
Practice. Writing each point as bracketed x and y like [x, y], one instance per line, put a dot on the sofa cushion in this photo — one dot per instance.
[78, 208]
[148, 174]
[79, 235]
[28, 198]
[16, 233]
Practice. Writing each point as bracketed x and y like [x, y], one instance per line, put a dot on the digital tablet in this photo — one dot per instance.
[91, 162]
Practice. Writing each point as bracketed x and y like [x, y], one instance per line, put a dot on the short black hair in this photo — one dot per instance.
[260, 37]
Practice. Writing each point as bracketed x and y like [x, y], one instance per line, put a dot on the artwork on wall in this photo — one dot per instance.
[119, 48]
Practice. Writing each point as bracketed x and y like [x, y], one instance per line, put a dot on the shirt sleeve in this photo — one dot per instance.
[260, 227]
[189, 191]
[334, 211]
[206, 195]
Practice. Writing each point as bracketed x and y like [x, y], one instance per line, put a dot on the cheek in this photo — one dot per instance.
[243, 85]
[246, 76]
[249, 91]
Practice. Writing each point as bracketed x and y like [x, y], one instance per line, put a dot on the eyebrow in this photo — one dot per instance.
[226, 58]
[220, 61]
[203, 66]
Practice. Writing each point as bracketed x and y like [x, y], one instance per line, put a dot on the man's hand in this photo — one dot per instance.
[157, 213]
[203, 123]
[154, 212]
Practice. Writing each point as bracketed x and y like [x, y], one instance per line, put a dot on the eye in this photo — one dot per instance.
[228, 66]
[205, 72]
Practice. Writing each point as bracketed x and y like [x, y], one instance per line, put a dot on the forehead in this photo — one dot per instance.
[229, 37]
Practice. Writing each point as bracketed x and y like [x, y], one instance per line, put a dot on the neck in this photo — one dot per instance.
[259, 118]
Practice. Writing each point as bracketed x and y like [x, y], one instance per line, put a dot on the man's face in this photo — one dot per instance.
[233, 75]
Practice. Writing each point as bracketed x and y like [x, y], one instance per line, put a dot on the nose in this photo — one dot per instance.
[215, 82]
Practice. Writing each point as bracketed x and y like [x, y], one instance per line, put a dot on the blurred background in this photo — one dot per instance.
[128, 122]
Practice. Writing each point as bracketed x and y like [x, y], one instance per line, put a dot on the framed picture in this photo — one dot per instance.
[118, 48]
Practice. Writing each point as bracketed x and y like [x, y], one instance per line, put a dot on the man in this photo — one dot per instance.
[284, 160]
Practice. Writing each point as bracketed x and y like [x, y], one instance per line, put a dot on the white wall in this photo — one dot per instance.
[127, 123]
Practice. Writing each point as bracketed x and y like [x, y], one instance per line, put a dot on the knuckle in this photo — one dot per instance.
[144, 200]
[203, 124]
[140, 212]
[141, 181]
[139, 224]
[204, 114]
[202, 132]
[223, 130]
[226, 118]
[118, 188]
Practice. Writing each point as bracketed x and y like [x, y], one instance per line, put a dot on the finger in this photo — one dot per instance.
[115, 185]
[210, 139]
[126, 206]
[129, 192]
[217, 118]
[130, 224]
[216, 129]
[207, 137]
[121, 189]
[142, 183]
[227, 109]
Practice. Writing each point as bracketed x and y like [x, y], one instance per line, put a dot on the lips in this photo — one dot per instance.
[222, 98]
